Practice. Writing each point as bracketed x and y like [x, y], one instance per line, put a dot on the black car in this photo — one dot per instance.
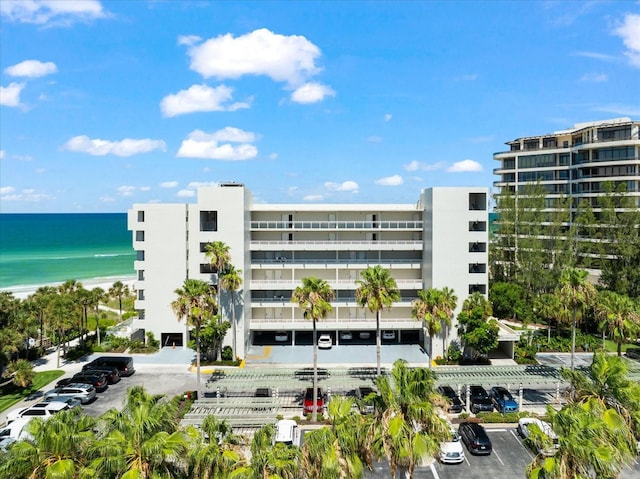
[124, 364]
[112, 374]
[479, 399]
[455, 404]
[475, 438]
[98, 381]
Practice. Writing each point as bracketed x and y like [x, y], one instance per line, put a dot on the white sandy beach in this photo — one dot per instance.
[22, 292]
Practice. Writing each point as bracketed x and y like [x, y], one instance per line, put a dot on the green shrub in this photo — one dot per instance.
[227, 353]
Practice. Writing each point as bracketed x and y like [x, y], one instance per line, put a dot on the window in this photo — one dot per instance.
[549, 142]
[141, 314]
[207, 268]
[208, 221]
[478, 288]
[140, 216]
[477, 201]
[139, 235]
[140, 275]
[509, 163]
[537, 161]
[477, 226]
[140, 255]
[477, 268]
[141, 294]
[477, 247]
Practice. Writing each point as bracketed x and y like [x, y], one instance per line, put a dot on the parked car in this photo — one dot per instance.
[455, 404]
[111, 373]
[83, 392]
[263, 393]
[325, 341]
[451, 451]
[41, 409]
[503, 400]
[388, 335]
[346, 335]
[281, 337]
[365, 396]
[479, 400]
[287, 432]
[307, 402]
[124, 364]
[98, 381]
[475, 438]
[526, 428]
[14, 432]
[72, 402]
[364, 334]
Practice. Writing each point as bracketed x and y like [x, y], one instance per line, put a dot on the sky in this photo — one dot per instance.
[106, 104]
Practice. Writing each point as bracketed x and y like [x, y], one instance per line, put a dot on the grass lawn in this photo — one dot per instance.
[10, 394]
[613, 347]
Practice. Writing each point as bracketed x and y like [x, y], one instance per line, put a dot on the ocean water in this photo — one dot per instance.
[37, 249]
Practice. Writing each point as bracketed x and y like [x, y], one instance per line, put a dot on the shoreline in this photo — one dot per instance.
[105, 282]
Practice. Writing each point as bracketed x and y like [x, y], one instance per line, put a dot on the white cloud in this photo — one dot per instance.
[1, 154]
[10, 95]
[126, 147]
[40, 170]
[313, 198]
[618, 109]
[387, 117]
[420, 166]
[107, 199]
[282, 58]
[629, 31]
[23, 157]
[9, 193]
[5, 190]
[169, 184]
[374, 139]
[467, 77]
[188, 39]
[31, 69]
[126, 190]
[344, 186]
[464, 165]
[311, 93]
[186, 194]
[145, 188]
[597, 56]
[200, 184]
[56, 11]
[394, 180]
[207, 145]
[594, 77]
[200, 98]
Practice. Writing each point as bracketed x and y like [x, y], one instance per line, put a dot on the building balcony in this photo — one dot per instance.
[334, 245]
[395, 225]
[287, 263]
[282, 301]
[291, 284]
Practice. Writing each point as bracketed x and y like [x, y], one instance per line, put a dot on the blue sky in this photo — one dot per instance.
[106, 104]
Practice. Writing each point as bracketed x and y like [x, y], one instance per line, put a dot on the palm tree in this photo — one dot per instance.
[118, 291]
[377, 290]
[575, 293]
[218, 254]
[619, 317]
[231, 280]
[38, 303]
[142, 440]
[58, 448]
[197, 305]
[23, 371]
[547, 306]
[61, 309]
[97, 295]
[448, 305]
[408, 424]
[434, 307]
[313, 298]
[83, 296]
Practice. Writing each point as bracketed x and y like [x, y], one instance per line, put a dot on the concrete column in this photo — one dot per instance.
[520, 398]
[468, 399]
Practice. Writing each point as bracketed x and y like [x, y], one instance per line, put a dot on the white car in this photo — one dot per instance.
[41, 409]
[523, 429]
[325, 342]
[388, 335]
[451, 452]
[14, 432]
[282, 337]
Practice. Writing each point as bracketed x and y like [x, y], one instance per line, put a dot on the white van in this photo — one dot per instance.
[14, 432]
[287, 432]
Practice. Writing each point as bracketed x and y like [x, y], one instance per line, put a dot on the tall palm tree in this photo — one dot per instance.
[141, 441]
[83, 296]
[434, 307]
[575, 293]
[448, 305]
[314, 297]
[231, 280]
[118, 291]
[619, 316]
[547, 306]
[61, 309]
[218, 254]
[196, 304]
[38, 303]
[97, 295]
[377, 290]
[58, 448]
[408, 424]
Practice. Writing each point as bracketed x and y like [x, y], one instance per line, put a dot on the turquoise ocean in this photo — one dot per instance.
[38, 249]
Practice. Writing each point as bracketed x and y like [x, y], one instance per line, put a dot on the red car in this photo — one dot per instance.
[307, 404]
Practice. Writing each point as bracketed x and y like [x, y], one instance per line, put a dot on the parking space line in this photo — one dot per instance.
[433, 471]
[522, 444]
[494, 451]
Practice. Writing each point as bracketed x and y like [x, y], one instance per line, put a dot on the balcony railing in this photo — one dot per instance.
[286, 244]
[335, 284]
[336, 225]
[334, 261]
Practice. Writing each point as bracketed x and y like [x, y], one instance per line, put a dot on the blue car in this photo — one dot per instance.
[503, 400]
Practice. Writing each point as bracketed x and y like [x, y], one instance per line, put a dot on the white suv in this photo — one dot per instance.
[41, 409]
[82, 392]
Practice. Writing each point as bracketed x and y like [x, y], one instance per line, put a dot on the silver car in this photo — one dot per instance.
[82, 392]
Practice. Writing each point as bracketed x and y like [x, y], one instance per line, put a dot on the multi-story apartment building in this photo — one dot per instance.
[439, 241]
[575, 162]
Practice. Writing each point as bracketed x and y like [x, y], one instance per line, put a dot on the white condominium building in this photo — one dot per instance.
[441, 240]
